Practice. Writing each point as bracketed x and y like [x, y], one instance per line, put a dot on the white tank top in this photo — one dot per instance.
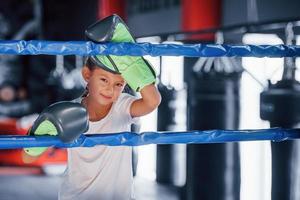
[102, 172]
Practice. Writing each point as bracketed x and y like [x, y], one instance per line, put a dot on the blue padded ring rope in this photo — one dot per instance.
[133, 139]
[83, 48]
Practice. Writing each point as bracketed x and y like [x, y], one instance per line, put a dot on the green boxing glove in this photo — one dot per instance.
[67, 120]
[136, 71]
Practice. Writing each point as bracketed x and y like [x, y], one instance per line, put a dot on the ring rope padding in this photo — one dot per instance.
[85, 48]
[144, 138]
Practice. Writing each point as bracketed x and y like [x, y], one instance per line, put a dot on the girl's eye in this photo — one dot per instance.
[119, 85]
[103, 80]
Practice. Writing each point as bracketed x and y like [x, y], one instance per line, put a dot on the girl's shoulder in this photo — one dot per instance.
[124, 96]
[125, 100]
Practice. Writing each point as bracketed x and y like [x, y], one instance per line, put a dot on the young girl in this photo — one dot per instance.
[105, 172]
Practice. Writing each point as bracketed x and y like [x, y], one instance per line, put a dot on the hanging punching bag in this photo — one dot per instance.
[213, 170]
[199, 15]
[165, 154]
[279, 104]
[107, 8]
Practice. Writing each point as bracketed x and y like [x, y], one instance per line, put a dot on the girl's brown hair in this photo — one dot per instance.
[89, 64]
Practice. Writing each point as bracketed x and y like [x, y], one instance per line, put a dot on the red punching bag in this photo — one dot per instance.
[109, 7]
[200, 15]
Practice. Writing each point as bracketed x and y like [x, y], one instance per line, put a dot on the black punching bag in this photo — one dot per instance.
[280, 105]
[165, 154]
[213, 170]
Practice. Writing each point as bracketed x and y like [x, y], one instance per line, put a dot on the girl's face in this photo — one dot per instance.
[104, 87]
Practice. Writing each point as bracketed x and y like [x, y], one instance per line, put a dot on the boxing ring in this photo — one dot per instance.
[84, 48]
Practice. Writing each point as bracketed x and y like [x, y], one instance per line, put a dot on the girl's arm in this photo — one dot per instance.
[150, 100]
